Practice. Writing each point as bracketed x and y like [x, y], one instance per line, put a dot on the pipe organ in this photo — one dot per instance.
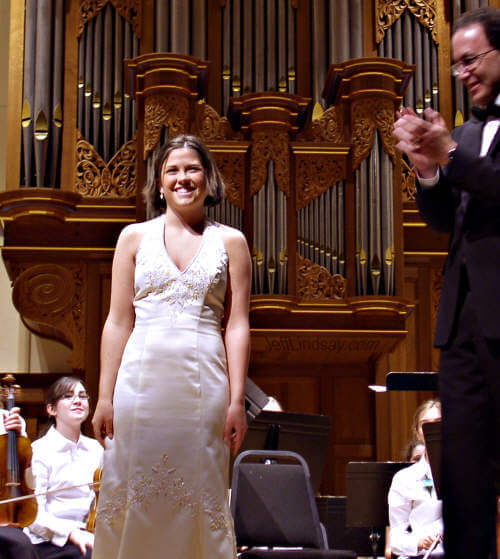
[296, 99]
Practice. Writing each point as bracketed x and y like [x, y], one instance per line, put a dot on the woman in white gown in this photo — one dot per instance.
[171, 393]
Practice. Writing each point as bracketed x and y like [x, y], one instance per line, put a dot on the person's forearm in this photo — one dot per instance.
[237, 341]
[114, 339]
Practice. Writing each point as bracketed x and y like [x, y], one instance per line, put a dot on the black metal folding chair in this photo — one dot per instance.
[274, 508]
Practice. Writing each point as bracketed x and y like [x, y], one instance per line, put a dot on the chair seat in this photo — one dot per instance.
[297, 554]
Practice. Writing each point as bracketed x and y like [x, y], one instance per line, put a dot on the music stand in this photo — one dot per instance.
[255, 400]
[417, 380]
[306, 434]
[432, 436]
[368, 484]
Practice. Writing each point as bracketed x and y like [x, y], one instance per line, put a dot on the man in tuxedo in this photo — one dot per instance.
[458, 191]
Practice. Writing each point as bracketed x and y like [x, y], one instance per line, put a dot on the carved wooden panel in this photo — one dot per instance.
[266, 145]
[367, 115]
[96, 178]
[315, 282]
[315, 174]
[54, 296]
[388, 11]
[164, 110]
[130, 10]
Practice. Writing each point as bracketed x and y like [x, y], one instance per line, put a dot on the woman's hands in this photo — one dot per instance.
[427, 541]
[12, 421]
[82, 539]
[235, 427]
[102, 422]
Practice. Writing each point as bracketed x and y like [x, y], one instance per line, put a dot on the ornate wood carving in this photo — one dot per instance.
[388, 11]
[54, 296]
[130, 10]
[330, 127]
[408, 184]
[232, 166]
[211, 126]
[367, 114]
[315, 174]
[170, 110]
[96, 178]
[315, 282]
[270, 144]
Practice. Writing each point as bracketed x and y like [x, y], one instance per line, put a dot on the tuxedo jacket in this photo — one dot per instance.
[473, 219]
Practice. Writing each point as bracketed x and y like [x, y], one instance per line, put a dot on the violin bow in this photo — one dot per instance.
[48, 492]
[432, 547]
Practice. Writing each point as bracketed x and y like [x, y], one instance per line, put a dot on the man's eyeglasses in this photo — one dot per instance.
[467, 62]
[80, 396]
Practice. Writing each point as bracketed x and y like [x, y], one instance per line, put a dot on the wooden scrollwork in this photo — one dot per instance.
[164, 110]
[266, 145]
[315, 282]
[129, 10]
[98, 179]
[232, 167]
[408, 183]
[315, 175]
[367, 115]
[211, 126]
[51, 300]
[388, 11]
[330, 127]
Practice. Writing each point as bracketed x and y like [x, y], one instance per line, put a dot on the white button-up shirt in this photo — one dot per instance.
[58, 462]
[414, 510]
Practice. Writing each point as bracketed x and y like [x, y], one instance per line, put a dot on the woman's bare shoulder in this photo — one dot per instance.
[132, 235]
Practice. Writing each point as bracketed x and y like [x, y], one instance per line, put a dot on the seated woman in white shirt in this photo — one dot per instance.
[14, 544]
[415, 513]
[64, 458]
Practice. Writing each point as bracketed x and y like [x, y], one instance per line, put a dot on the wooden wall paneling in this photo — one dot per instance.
[15, 95]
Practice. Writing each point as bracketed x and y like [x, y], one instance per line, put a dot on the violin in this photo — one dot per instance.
[93, 507]
[15, 459]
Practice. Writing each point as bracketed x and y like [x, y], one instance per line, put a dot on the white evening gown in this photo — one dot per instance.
[165, 475]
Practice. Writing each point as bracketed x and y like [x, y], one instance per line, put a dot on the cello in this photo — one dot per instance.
[15, 459]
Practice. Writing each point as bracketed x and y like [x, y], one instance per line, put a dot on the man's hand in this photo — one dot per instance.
[426, 141]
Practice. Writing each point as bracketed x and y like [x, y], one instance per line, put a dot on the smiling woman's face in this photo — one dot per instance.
[183, 180]
[72, 408]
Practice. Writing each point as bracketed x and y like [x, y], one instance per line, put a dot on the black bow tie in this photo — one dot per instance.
[483, 114]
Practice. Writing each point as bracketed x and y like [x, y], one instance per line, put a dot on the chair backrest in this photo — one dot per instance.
[272, 501]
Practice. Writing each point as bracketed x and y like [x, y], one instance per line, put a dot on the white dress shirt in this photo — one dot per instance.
[414, 510]
[58, 462]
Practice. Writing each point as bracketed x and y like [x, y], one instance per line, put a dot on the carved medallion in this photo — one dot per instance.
[129, 10]
[315, 175]
[315, 282]
[170, 110]
[388, 11]
[270, 144]
[95, 178]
